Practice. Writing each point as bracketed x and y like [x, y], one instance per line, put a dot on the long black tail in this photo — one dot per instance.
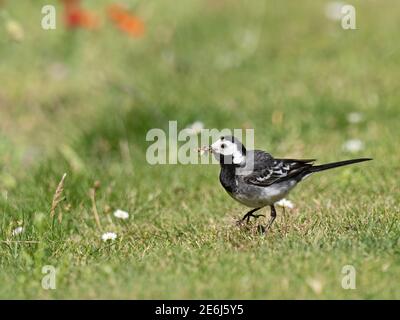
[336, 164]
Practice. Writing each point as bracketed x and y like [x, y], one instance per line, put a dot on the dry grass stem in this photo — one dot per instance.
[57, 198]
[94, 208]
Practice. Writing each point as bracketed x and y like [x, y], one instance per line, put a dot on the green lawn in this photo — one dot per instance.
[82, 102]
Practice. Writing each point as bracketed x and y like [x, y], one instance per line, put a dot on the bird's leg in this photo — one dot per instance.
[271, 220]
[250, 214]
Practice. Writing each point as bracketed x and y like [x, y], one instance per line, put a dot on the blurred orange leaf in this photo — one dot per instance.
[126, 21]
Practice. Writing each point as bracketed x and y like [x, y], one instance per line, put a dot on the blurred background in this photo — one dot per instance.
[286, 69]
[81, 98]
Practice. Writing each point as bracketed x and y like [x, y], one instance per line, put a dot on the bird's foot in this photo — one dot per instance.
[247, 217]
[261, 229]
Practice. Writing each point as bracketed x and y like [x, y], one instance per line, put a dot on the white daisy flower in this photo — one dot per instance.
[195, 128]
[333, 10]
[353, 145]
[17, 231]
[354, 117]
[120, 214]
[284, 203]
[109, 236]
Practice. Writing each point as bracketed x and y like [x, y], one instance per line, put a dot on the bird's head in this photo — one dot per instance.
[228, 150]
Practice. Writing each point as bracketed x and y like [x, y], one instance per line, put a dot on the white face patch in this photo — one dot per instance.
[227, 148]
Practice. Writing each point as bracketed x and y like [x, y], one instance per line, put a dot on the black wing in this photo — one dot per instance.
[268, 170]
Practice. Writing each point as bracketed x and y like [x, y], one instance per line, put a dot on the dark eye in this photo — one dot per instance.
[222, 138]
[223, 146]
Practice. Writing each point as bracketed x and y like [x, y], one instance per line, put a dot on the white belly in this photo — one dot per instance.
[255, 196]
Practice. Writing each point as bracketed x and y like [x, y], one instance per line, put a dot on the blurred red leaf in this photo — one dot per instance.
[76, 17]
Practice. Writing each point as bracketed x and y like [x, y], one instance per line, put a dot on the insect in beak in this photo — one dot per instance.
[204, 150]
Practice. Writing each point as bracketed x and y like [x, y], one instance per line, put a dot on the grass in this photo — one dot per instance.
[281, 68]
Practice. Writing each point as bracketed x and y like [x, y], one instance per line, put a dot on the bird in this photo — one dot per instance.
[256, 179]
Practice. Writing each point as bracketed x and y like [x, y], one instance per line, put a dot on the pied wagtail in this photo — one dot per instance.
[256, 179]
